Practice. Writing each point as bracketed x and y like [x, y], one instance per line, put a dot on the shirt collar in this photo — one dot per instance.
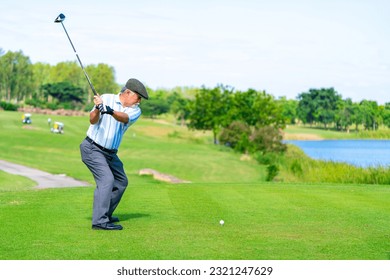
[117, 100]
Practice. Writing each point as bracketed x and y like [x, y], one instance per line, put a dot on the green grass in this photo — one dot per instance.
[148, 144]
[262, 221]
[296, 166]
[9, 182]
[161, 221]
[305, 132]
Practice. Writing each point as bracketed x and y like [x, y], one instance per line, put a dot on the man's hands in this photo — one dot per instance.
[99, 107]
[108, 110]
[102, 108]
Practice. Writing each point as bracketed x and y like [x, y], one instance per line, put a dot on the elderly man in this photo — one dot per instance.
[109, 120]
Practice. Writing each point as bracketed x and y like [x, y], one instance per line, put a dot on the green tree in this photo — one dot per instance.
[318, 105]
[357, 116]
[68, 71]
[155, 106]
[345, 114]
[64, 92]
[41, 76]
[16, 76]
[327, 101]
[242, 107]
[370, 114]
[289, 109]
[268, 112]
[179, 106]
[101, 75]
[306, 107]
[255, 108]
[210, 108]
[386, 115]
[103, 79]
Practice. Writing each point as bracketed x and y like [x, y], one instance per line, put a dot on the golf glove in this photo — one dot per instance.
[100, 107]
[108, 110]
[105, 109]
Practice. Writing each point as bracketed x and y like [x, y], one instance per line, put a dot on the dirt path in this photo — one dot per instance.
[43, 179]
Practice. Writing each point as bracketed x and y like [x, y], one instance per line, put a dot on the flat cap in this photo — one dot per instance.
[136, 86]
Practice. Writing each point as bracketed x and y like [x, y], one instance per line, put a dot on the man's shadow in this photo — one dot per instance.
[130, 216]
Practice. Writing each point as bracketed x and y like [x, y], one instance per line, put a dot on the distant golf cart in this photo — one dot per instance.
[26, 118]
[58, 127]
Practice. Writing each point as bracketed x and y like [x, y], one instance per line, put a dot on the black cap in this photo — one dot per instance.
[137, 87]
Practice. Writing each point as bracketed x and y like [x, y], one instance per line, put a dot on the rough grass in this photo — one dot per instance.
[297, 167]
[305, 132]
[9, 182]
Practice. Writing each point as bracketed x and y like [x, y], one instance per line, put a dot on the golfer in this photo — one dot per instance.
[109, 120]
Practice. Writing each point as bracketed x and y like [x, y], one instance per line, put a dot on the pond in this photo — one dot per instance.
[363, 153]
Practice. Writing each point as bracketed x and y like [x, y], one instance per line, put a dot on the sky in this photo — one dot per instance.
[284, 47]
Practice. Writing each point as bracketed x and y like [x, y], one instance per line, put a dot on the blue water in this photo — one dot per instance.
[363, 153]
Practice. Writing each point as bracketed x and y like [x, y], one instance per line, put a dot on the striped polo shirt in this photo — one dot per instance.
[108, 132]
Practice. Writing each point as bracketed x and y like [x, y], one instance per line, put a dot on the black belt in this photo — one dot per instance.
[113, 151]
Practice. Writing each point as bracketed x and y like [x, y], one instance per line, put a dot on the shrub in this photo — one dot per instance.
[267, 158]
[36, 103]
[267, 139]
[8, 106]
[272, 172]
[296, 168]
[236, 136]
[52, 105]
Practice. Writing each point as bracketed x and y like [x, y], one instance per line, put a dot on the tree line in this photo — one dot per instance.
[43, 85]
[220, 109]
[327, 107]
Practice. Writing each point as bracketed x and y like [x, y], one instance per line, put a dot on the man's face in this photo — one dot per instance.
[133, 97]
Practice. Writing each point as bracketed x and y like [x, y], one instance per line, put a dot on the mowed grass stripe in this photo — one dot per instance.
[262, 221]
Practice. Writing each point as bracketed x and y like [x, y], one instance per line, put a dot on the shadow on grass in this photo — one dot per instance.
[125, 217]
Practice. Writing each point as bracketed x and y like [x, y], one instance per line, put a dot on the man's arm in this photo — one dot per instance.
[120, 116]
[94, 116]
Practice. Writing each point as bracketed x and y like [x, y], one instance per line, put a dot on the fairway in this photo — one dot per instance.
[175, 222]
[263, 221]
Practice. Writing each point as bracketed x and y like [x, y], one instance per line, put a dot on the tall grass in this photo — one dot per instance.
[295, 166]
[304, 132]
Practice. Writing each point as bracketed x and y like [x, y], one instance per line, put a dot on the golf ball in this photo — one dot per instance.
[221, 222]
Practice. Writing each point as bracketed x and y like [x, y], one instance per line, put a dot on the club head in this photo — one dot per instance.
[60, 18]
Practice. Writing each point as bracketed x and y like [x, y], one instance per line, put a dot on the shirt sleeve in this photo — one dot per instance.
[134, 113]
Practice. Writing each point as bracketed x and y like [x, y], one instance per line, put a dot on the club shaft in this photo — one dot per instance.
[81, 64]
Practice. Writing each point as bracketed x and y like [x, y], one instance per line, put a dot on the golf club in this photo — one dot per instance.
[61, 18]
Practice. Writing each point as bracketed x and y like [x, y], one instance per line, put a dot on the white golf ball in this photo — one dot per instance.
[221, 222]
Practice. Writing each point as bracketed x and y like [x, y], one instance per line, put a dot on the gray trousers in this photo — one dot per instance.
[110, 178]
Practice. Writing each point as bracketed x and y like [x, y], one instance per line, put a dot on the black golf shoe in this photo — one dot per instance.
[107, 226]
[113, 219]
